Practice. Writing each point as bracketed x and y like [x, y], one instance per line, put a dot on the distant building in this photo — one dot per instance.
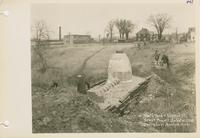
[145, 35]
[76, 39]
[191, 34]
[178, 38]
[182, 37]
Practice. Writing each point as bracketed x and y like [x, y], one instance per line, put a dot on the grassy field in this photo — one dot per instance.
[66, 62]
[70, 59]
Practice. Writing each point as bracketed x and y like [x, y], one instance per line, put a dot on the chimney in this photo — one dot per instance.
[60, 33]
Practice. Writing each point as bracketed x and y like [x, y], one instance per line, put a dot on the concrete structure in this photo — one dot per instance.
[145, 35]
[119, 84]
[191, 34]
[76, 39]
[119, 67]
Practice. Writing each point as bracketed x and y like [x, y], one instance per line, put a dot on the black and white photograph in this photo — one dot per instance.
[113, 67]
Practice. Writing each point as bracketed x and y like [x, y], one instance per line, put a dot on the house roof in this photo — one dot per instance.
[143, 31]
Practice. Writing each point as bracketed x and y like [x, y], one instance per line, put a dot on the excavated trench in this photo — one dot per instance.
[73, 78]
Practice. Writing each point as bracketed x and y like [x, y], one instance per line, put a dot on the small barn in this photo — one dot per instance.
[145, 35]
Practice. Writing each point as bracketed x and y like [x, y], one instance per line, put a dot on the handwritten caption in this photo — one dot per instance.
[166, 120]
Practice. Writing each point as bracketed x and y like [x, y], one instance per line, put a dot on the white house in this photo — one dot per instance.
[191, 34]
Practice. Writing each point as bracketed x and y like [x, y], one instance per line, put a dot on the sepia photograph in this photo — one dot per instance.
[113, 67]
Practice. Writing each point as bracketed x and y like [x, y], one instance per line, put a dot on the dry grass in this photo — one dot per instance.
[69, 61]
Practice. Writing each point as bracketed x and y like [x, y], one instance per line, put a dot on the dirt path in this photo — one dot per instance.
[81, 69]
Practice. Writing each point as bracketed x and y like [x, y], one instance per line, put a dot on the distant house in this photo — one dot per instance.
[76, 39]
[178, 38]
[182, 37]
[191, 34]
[145, 35]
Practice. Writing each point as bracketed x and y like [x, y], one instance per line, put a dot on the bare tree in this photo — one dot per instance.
[110, 29]
[119, 23]
[40, 37]
[160, 22]
[129, 26]
[125, 27]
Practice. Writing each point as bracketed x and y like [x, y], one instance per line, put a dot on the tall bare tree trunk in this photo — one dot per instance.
[159, 36]
[111, 37]
[127, 36]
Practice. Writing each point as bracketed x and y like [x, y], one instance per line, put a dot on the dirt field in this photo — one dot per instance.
[93, 61]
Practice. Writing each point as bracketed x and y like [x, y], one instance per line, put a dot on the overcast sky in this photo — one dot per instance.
[93, 18]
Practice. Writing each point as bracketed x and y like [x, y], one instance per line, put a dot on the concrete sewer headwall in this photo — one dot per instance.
[119, 67]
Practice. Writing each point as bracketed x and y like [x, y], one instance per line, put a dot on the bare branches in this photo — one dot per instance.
[119, 24]
[40, 32]
[124, 27]
[40, 37]
[129, 26]
[110, 29]
[160, 22]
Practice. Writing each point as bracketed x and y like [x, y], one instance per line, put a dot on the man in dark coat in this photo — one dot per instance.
[165, 60]
[156, 56]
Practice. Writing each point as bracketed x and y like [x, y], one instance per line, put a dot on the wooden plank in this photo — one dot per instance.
[98, 83]
[132, 95]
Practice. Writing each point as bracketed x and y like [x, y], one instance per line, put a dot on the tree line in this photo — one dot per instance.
[159, 22]
[124, 26]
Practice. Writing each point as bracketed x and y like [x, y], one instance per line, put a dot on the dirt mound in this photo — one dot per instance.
[157, 101]
[157, 88]
[154, 97]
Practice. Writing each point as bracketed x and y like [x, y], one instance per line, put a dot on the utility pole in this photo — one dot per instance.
[177, 35]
